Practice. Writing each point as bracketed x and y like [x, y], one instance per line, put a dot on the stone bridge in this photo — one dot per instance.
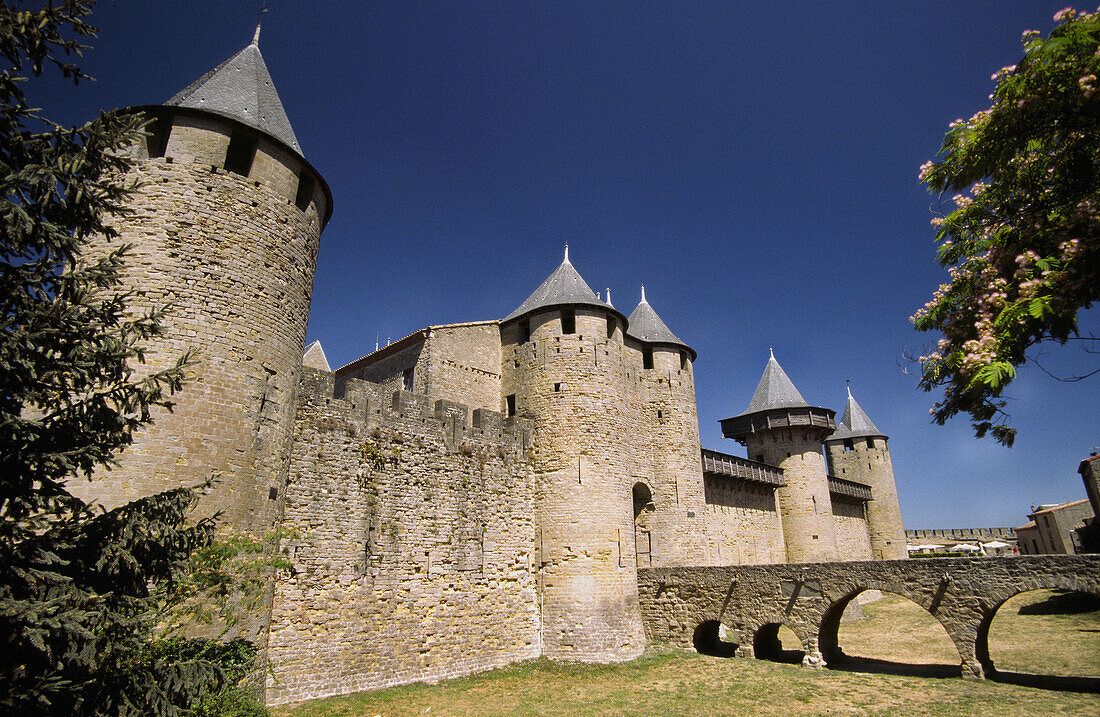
[685, 606]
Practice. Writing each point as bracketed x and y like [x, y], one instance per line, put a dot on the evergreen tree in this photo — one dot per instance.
[80, 587]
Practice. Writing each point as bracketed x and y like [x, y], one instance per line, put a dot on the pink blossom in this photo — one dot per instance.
[1066, 12]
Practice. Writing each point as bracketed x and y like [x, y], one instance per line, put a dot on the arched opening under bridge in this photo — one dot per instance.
[778, 643]
[1043, 638]
[708, 640]
[891, 635]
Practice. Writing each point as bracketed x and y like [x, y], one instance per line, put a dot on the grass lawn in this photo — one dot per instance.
[1054, 637]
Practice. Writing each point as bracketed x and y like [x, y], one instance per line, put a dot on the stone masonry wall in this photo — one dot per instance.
[853, 542]
[581, 393]
[413, 553]
[464, 364]
[233, 257]
[388, 369]
[743, 525]
[868, 462]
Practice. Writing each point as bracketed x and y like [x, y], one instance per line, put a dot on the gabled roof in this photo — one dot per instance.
[240, 88]
[314, 357]
[775, 390]
[563, 287]
[856, 423]
[645, 325]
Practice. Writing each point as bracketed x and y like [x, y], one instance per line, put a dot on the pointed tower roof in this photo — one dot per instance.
[775, 390]
[777, 404]
[856, 423]
[314, 357]
[645, 325]
[563, 287]
[241, 89]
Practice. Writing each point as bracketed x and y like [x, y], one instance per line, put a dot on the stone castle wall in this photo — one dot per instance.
[867, 461]
[413, 540]
[743, 524]
[233, 258]
[580, 392]
[853, 542]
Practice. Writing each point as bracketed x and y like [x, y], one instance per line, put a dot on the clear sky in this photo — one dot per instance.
[754, 165]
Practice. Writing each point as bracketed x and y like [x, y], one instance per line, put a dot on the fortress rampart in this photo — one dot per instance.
[412, 529]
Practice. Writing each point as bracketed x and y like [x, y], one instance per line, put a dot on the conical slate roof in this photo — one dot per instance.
[241, 89]
[775, 390]
[645, 325]
[314, 357]
[564, 286]
[856, 423]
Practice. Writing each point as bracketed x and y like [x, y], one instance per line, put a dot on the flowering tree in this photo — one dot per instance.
[1022, 246]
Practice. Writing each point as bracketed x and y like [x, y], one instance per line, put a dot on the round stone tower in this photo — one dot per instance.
[673, 532]
[565, 367]
[781, 429]
[225, 229]
[858, 452]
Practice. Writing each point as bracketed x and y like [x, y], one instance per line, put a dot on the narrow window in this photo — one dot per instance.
[524, 330]
[305, 191]
[568, 321]
[511, 401]
[870, 442]
[239, 155]
[660, 414]
[156, 138]
[683, 360]
[848, 444]
[407, 379]
[610, 327]
[557, 388]
[647, 357]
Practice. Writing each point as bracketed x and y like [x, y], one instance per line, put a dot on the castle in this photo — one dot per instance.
[472, 494]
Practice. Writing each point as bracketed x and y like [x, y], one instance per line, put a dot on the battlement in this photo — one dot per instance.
[361, 404]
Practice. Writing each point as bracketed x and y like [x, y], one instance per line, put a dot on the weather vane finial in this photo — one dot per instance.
[262, 12]
[848, 381]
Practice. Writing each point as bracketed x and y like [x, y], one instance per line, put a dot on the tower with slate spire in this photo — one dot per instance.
[225, 230]
[780, 428]
[676, 530]
[857, 451]
[565, 366]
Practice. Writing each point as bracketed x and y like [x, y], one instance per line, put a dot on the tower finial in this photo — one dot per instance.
[771, 353]
[643, 294]
[567, 253]
[256, 35]
[609, 296]
[849, 386]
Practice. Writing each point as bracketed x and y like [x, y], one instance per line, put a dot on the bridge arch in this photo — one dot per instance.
[828, 637]
[996, 599]
[766, 644]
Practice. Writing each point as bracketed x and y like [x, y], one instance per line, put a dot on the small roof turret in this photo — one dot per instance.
[241, 89]
[856, 423]
[564, 287]
[776, 403]
[645, 325]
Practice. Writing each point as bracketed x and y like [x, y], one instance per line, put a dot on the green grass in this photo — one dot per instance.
[667, 681]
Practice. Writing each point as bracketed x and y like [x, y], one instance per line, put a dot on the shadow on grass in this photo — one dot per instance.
[870, 665]
[1057, 683]
[1063, 603]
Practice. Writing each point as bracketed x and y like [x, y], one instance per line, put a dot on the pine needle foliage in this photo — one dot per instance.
[80, 587]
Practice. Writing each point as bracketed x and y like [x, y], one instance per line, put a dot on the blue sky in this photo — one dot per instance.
[754, 165]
